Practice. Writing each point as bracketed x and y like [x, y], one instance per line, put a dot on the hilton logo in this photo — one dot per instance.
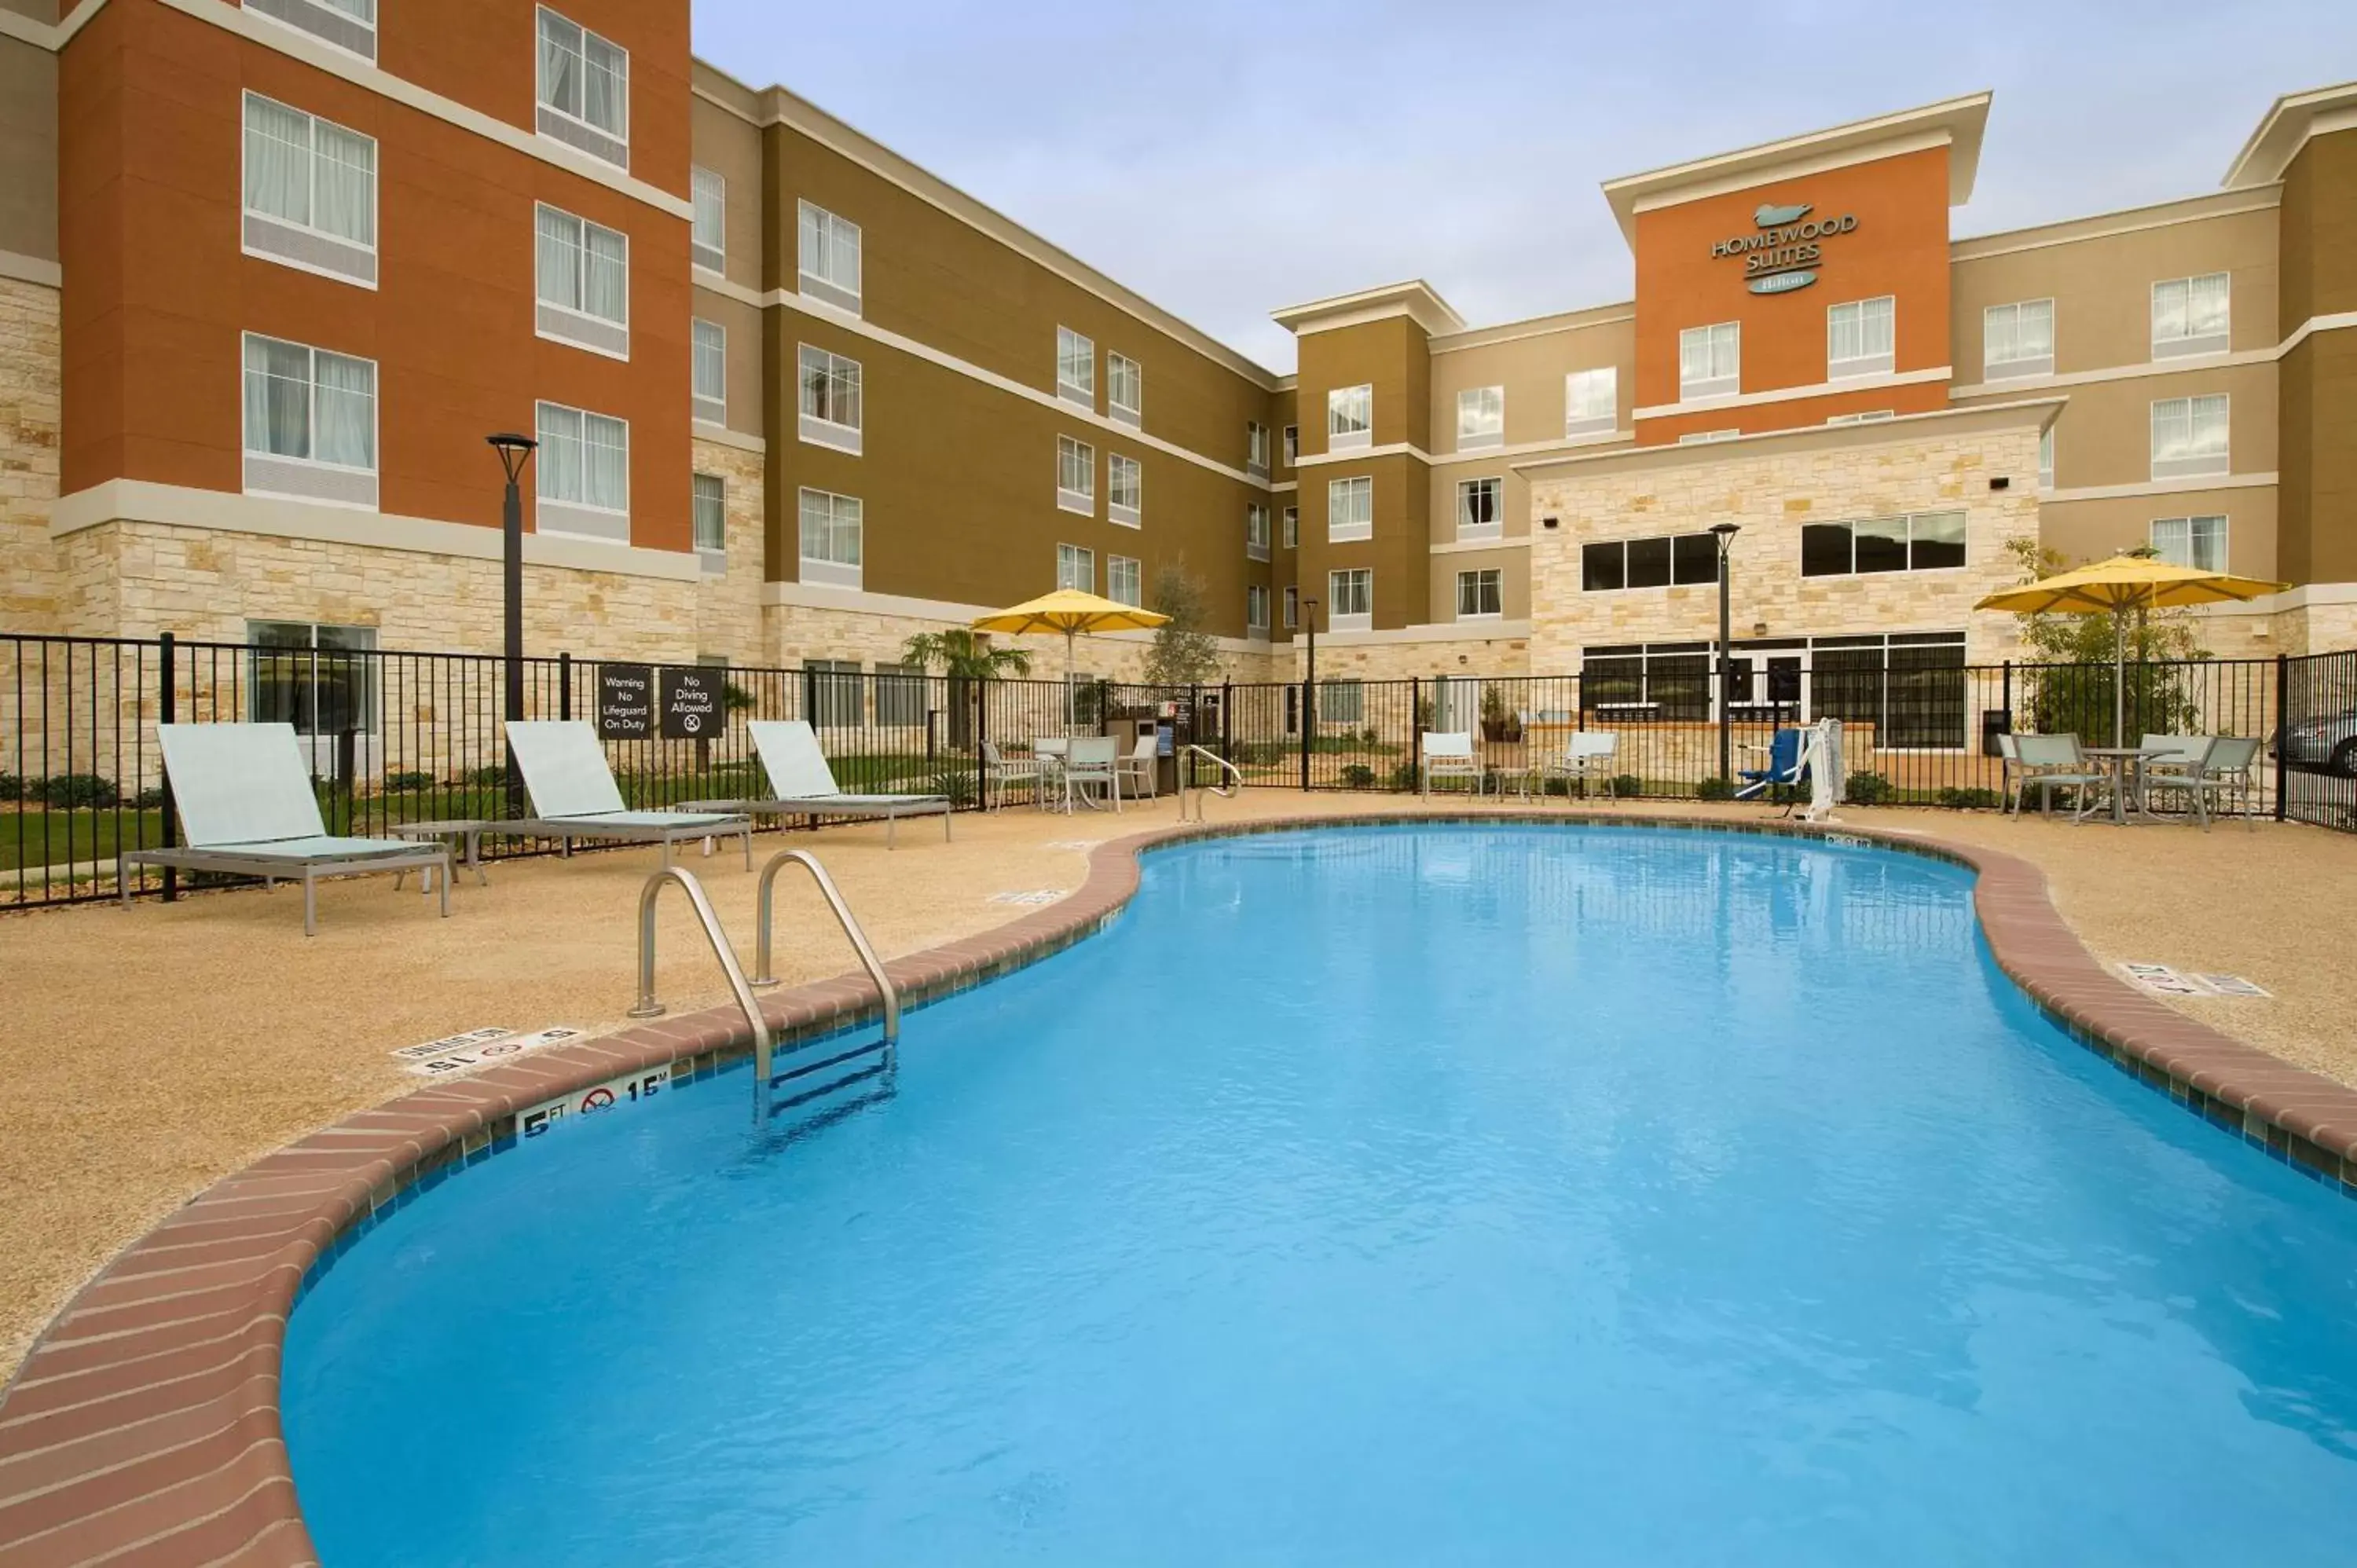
[1785, 253]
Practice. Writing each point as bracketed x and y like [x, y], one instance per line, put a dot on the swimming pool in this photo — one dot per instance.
[1499, 1193]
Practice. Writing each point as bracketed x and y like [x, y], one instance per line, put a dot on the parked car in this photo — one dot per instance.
[2327, 741]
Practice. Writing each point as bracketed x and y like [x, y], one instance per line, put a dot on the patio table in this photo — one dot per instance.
[2123, 760]
[467, 830]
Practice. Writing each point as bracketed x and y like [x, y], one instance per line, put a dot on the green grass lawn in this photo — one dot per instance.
[43, 837]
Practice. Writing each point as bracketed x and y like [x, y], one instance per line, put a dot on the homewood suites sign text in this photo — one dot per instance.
[1783, 253]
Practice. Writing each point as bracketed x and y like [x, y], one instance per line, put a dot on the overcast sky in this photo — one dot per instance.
[1225, 157]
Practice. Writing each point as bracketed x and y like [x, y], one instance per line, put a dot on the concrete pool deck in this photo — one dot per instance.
[153, 1051]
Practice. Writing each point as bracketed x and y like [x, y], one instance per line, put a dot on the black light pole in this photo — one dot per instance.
[1309, 691]
[1726, 532]
[514, 451]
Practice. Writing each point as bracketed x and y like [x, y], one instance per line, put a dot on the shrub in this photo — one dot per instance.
[488, 777]
[1404, 778]
[957, 783]
[1957, 800]
[1368, 736]
[79, 792]
[1358, 775]
[1627, 785]
[402, 782]
[1869, 790]
[1715, 790]
[12, 786]
[151, 798]
[1557, 785]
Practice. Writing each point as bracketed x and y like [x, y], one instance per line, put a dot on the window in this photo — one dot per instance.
[1480, 510]
[1872, 416]
[1349, 510]
[1256, 449]
[1919, 542]
[2191, 315]
[2196, 542]
[584, 464]
[1292, 445]
[1660, 680]
[1124, 489]
[2189, 436]
[1480, 418]
[1076, 476]
[711, 371]
[1480, 595]
[1677, 559]
[708, 241]
[1698, 437]
[828, 258]
[900, 695]
[2018, 340]
[584, 89]
[349, 24]
[708, 504]
[1123, 580]
[829, 399]
[1076, 568]
[1076, 367]
[1256, 608]
[1124, 389]
[584, 284]
[1351, 600]
[2046, 458]
[1710, 362]
[1342, 703]
[835, 540]
[1292, 610]
[1858, 338]
[1591, 400]
[319, 679]
[1293, 528]
[1255, 532]
[1350, 418]
[310, 422]
[311, 192]
[836, 695]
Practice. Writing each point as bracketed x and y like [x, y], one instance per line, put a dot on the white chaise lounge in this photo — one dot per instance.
[573, 795]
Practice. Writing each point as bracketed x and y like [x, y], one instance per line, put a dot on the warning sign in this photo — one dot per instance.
[629, 1089]
[626, 702]
[690, 703]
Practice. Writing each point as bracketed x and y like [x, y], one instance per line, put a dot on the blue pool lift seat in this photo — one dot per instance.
[1786, 765]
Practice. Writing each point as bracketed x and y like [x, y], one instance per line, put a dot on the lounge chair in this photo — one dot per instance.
[246, 806]
[573, 795]
[1137, 768]
[2053, 761]
[999, 771]
[1449, 755]
[1787, 766]
[2226, 769]
[1091, 759]
[802, 785]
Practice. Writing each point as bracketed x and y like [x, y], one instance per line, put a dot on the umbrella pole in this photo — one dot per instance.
[2119, 678]
[1068, 682]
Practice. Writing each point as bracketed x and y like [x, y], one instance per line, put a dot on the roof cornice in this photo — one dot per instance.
[2286, 128]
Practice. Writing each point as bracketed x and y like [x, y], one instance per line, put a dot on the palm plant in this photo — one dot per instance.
[967, 658]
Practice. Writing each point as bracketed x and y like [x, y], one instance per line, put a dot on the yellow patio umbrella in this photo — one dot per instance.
[2115, 586]
[1071, 612]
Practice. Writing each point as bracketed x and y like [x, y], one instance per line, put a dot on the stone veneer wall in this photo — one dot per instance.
[1401, 660]
[729, 621]
[28, 454]
[875, 636]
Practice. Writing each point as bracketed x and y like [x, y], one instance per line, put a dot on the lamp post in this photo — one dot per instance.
[514, 451]
[1309, 690]
[1726, 532]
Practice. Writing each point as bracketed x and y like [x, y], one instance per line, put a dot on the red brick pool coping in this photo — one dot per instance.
[142, 1427]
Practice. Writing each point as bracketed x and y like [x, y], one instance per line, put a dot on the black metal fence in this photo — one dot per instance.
[395, 737]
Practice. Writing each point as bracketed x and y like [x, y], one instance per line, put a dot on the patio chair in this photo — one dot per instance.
[1449, 755]
[1787, 766]
[573, 795]
[246, 806]
[2053, 761]
[1091, 759]
[1138, 767]
[1589, 755]
[802, 785]
[2171, 757]
[2226, 770]
[2011, 778]
[998, 773]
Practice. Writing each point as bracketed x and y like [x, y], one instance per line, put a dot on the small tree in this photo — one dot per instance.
[967, 657]
[1183, 654]
[2077, 700]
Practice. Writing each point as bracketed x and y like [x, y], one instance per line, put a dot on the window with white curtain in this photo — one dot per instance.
[2046, 458]
[1350, 418]
[349, 24]
[1124, 489]
[1481, 595]
[1255, 532]
[827, 257]
[1256, 608]
[2196, 542]
[1349, 510]
[585, 89]
[709, 365]
[1256, 448]
[1858, 338]
[2018, 340]
[1710, 362]
[1481, 509]
[1123, 580]
[310, 422]
[1293, 528]
[584, 284]
[584, 464]
[2193, 316]
[1076, 568]
[311, 192]
[708, 237]
[1076, 476]
[1292, 610]
[829, 408]
[1591, 400]
[708, 510]
[1349, 601]
[1289, 443]
[2189, 436]
[1480, 417]
[1124, 389]
[1076, 367]
[833, 538]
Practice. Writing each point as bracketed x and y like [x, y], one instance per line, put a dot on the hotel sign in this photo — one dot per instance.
[1785, 247]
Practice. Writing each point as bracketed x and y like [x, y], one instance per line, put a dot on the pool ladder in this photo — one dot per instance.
[1228, 792]
[766, 1080]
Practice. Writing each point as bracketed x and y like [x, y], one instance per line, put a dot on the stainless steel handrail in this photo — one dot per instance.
[1230, 768]
[860, 943]
[648, 1007]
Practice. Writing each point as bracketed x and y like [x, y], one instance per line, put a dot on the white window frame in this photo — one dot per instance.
[1256, 610]
[1129, 569]
[1256, 448]
[1292, 533]
[1480, 418]
[822, 430]
[1076, 367]
[707, 339]
[1361, 580]
[831, 569]
[1868, 416]
[1076, 568]
[708, 197]
[1120, 368]
[713, 549]
[254, 225]
[1292, 608]
[1581, 413]
[589, 519]
[1255, 530]
[2007, 319]
[1076, 460]
[2181, 549]
[1351, 418]
[1874, 325]
[296, 16]
[834, 232]
[1479, 577]
[2191, 463]
[1342, 496]
[2189, 343]
[1124, 474]
[1466, 491]
[588, 131]
[552, 326]
[1703, 438]
[340, 484]
[2046, 458]
[1720, 346]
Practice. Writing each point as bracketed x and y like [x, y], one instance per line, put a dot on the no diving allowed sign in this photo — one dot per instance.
[677, 702]
[611, 1095]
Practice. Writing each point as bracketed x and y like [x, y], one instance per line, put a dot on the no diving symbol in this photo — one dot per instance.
[600, 1099]
[691, 723]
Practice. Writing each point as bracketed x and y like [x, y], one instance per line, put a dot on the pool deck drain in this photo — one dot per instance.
[144, 1426]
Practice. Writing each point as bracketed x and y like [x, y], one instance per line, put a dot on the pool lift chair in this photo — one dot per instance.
[1787, 767]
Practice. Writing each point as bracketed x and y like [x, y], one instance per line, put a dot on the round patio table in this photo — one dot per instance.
[2119, 760]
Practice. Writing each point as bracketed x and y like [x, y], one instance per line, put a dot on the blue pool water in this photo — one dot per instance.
[1464, 1194]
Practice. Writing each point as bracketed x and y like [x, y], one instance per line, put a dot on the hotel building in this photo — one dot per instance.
[270, 273]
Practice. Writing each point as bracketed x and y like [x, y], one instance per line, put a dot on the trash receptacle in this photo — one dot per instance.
[1995, 722]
